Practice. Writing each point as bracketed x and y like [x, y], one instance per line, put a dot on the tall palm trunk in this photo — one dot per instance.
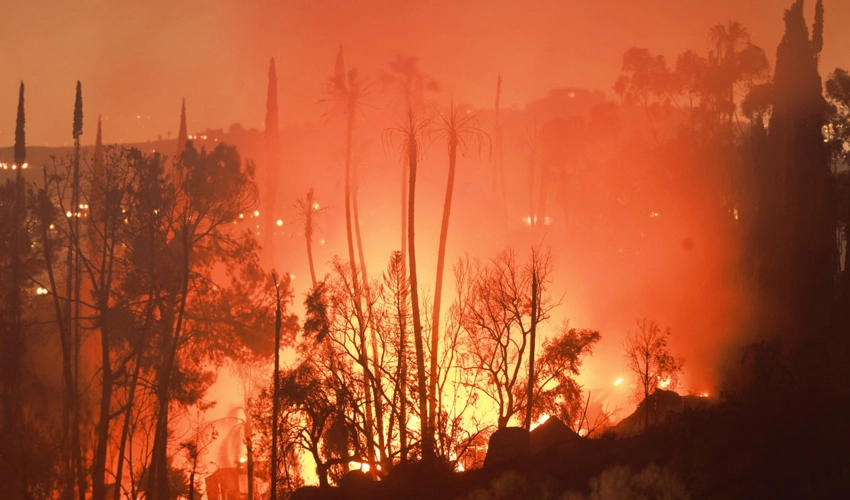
[438, 287]
[276, 383]
[535, 285]
[349, 228]
[376, 371]
[412, 158]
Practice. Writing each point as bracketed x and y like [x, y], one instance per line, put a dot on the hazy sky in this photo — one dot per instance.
[137, 59]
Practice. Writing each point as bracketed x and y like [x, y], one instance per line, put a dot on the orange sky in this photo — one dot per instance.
[136, 60]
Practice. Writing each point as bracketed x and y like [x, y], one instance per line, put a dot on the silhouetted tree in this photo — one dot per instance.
[272, 136]
[459, 130]
[807, 251]
[838, 93]
[555, 389]
[648, 358]
[210, 191]
[183, 133]
[16, 249]
[498, 318]
[308, 209]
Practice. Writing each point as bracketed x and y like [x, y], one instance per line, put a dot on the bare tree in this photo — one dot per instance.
[498, 322]
[649, 360]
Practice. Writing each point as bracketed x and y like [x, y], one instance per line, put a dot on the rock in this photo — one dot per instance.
[508, 446]
[550, 435]
[662, 405]
[317, 493]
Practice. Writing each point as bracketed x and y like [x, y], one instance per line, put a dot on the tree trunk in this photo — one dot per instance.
[438, 287]
[276, 383]
[354, 279]
[413, 153]
[158, 487]
[532, 338]
[376, 372]
[45, 208]
[310, 262]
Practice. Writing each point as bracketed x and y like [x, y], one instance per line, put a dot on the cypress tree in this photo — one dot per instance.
[11, 459]
[806, 225]
[182, 135]
[272, 135]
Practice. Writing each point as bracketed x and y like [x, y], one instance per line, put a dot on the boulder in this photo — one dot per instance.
[552, 434]
[508, 446]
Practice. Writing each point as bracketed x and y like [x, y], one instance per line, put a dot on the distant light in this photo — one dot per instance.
[653, 214]
[256, 213]
[241, 216]
[315, 206]
[69, 214]
[703, 395]
[618, 381]
[279, 223]
[292, 276]
[547, 220]
[41, 291]
[25, 165]
[527, 220]
[322, 241]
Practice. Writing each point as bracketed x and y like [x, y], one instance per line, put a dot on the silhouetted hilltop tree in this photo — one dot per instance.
[15, 250]
[272, 166]
[804, 270]
[838, 93]
[183, 133]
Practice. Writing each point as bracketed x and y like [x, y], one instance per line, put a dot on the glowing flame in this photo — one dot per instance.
[538, 422]
[664, 384]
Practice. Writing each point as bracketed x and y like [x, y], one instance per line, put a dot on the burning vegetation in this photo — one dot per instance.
[633, 294]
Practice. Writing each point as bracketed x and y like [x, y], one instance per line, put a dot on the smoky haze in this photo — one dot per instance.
[136, 62]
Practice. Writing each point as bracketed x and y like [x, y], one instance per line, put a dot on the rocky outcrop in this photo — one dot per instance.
[508, 446]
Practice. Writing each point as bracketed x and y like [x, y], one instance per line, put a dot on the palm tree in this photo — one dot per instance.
[308, 209]
[735, 59]
[346, 90]
[458, 129]
[412, 133]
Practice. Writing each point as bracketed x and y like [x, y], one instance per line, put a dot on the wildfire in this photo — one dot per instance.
[538, 422]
